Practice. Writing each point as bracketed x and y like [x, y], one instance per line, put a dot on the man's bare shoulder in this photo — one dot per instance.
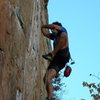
[64, 34]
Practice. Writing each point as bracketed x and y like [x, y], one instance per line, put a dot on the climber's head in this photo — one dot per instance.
[57, 23]
[57, 26]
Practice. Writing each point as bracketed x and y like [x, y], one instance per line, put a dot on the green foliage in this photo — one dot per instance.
[57, 84]
[94, 88]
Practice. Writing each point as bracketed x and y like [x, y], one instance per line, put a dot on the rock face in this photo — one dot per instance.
[21, 45]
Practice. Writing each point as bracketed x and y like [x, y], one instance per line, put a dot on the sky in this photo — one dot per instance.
[81, 18]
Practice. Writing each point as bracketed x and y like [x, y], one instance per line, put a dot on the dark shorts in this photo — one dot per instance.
[60, 60]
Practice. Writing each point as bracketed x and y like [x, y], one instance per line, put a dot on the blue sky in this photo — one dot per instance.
[81, 18]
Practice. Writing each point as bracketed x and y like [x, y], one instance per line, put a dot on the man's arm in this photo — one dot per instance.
[46, 32]
[60, 45]
[49, 26]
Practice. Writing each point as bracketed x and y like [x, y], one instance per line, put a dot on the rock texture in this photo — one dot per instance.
[21, 46]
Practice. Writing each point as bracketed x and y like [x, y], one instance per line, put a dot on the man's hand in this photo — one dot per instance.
[45, 30]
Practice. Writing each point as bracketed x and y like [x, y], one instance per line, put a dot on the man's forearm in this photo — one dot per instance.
[45, 32]
[58, 47]
[56, 50]
[50, 26]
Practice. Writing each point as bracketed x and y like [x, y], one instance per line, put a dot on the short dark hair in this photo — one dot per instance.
[57, 23]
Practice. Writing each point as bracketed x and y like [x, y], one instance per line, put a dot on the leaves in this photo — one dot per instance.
[94, 88]
[96, 96]
[91, 91]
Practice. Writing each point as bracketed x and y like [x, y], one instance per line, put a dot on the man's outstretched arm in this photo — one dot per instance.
[45, 30]
[49, 26]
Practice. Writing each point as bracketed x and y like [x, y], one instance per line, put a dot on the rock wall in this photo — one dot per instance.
[21, 46]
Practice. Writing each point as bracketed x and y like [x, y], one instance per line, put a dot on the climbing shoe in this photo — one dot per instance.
[47, 98]
[48, 56]
[53, 98]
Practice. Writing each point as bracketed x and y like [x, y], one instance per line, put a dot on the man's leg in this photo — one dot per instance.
[51, 73]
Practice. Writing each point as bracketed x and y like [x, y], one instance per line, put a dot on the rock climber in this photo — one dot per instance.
[59, 56]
